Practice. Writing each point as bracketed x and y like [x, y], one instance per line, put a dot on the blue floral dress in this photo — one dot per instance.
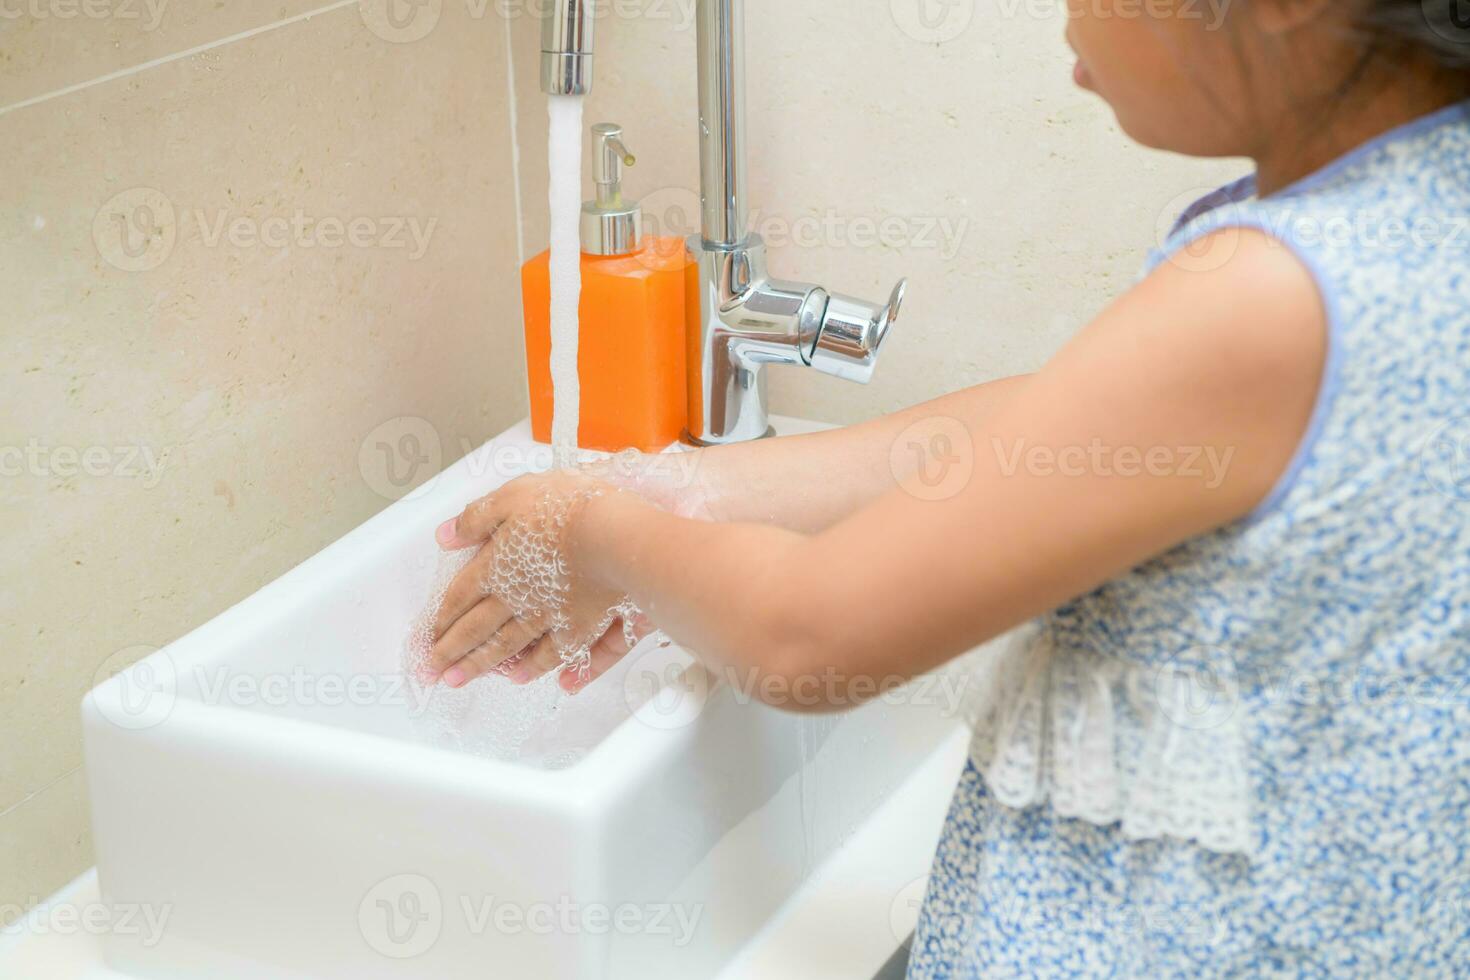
[1251, 755]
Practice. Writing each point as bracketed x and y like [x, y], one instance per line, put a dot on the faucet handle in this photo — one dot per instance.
[852, 331]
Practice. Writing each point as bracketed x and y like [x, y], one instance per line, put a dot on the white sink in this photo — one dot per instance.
[270, 785]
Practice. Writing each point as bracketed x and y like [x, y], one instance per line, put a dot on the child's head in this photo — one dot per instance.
[1219, 77]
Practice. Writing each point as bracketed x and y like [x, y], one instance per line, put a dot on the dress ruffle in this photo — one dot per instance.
[1160, 751]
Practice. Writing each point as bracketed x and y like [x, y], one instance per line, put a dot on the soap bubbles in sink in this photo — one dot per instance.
[528, 573]
[536, 724]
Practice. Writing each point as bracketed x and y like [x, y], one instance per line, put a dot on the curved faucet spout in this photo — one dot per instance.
[747, 325]
[748, 320]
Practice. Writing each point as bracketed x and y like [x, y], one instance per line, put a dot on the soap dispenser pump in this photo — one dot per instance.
[610, 224]
[638, 295]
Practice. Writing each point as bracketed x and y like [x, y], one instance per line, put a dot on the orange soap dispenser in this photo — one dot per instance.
[637, 296]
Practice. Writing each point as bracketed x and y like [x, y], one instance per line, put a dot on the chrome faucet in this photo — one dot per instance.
[747, 319]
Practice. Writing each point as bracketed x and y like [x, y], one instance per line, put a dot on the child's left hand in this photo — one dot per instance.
[523, 601]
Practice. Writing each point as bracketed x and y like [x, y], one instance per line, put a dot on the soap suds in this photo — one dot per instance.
[528, 573]
[536, 724]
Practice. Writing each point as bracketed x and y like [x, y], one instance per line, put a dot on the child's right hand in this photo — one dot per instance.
[524, 606]
[606, 652]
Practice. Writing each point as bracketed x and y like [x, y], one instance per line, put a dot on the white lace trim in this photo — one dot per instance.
[1159, 750]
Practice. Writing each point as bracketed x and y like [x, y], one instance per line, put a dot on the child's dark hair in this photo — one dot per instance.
[1436, 29]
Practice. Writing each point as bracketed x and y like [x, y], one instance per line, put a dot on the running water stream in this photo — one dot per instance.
[564, 160]
[494, 717]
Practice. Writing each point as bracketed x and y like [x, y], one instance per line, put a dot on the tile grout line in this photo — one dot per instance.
[515, 145]
[515, 167]
[26, 799]
[168, 58]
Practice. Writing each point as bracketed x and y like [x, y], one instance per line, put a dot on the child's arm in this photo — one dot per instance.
[1203, 381]
[810, 482]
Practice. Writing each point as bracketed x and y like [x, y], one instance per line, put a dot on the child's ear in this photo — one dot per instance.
[1286, 16]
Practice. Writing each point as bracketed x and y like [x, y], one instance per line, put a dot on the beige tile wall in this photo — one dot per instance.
[234, 379]
[246, 401]
[62, 43]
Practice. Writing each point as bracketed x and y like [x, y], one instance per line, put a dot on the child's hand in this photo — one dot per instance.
[521, 607]
[620, 637]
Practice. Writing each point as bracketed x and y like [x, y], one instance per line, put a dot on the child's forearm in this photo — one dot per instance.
[732, 591]
[810, 482]
[740, 590]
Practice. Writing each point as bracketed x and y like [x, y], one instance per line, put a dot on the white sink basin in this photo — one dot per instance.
[270, 784]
